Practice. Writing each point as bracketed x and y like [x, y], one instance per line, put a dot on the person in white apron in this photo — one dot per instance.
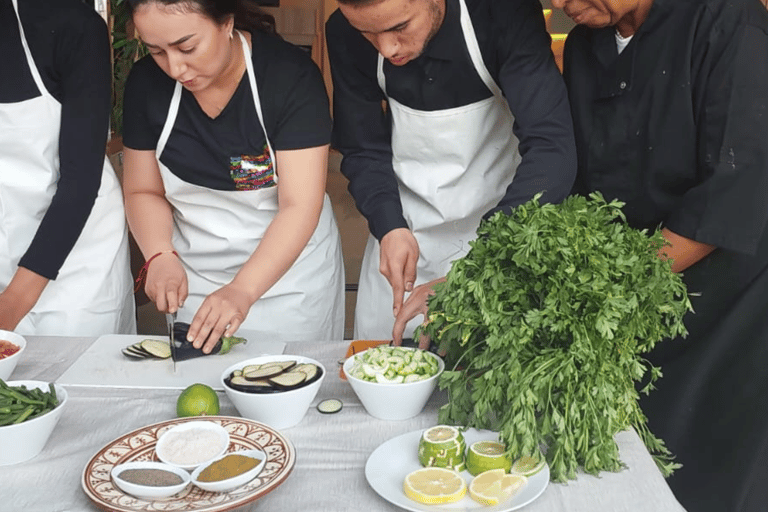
[452, 167]
[92, 293]
[219, 235]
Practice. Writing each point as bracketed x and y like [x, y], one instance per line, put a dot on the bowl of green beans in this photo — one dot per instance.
[29, 412]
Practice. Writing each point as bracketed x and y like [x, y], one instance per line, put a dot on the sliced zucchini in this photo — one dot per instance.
[157, 348]
[237, 373]
[288, 380]
[330, 406]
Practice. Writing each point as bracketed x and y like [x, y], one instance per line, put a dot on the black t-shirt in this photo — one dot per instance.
[69, 43]
[675, 125]
[201, 150]
[515, 49]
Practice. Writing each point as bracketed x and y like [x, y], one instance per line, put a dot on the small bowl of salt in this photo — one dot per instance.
[150, 480]
[191, 444]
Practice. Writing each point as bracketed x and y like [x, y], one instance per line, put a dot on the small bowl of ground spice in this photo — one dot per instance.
[150, 480]
[229, 471]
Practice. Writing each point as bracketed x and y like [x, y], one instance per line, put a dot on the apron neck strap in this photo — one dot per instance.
[470, 40]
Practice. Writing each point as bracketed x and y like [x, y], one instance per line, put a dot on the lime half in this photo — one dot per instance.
[527, 465]
[442, 447]
[485, 455]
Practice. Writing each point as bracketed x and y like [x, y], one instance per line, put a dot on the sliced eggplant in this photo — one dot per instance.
[285, 365]
[288, 380]
[263, 372]
[136, 347]
[159, 349]
[308, 368]
[133, 355]
[239, 383]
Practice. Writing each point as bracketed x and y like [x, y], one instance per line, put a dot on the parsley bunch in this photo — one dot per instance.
[545, 323]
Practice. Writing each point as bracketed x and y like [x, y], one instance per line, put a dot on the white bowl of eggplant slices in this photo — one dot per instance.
[276, 390]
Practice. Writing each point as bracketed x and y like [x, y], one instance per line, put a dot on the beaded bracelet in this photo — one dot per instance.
[143, 272]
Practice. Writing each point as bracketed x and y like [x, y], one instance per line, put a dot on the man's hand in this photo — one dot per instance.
[399, 256]
[415, 305]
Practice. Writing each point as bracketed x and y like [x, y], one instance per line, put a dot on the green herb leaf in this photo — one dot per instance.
[545, 323]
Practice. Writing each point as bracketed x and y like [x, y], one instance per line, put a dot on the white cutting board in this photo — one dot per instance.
[103, 364]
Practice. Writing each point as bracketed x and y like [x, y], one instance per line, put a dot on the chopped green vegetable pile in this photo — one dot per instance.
[545, 323]
[19, 404]
[393, 365]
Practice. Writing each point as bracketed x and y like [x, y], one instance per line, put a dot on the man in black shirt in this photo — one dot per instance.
[473, 100]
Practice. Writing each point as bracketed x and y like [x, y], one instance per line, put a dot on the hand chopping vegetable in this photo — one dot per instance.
[183, 350]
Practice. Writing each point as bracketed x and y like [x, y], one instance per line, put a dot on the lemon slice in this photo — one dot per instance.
[433, 486]
[495, 486]
[485, 455]
[527, 466]
[442, 447]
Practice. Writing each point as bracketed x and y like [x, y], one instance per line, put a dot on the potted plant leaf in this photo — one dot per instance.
[546, 323]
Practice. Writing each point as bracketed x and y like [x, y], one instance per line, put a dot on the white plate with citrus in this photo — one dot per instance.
[393, 460]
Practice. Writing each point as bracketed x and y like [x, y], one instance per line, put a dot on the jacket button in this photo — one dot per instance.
[623, 85]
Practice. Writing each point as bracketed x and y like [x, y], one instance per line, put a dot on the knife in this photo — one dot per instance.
[171, 319]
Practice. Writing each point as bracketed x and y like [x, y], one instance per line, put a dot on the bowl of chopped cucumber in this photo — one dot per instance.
[276, 390]
[393, 383]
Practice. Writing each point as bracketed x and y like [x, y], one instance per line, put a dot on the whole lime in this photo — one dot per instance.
[197, 400]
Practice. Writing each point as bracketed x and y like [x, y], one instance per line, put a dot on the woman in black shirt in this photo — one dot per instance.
[669, 102]
[220, 112]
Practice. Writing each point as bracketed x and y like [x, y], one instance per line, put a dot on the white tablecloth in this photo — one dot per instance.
[332, 449]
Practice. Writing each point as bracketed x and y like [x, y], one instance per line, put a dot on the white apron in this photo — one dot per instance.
[216, 231]
[92, 294]
[452, 167]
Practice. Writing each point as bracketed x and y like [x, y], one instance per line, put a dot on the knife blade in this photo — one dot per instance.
[171, 319]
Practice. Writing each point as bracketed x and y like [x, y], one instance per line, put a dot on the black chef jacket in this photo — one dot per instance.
[516, 50]
[677, 127]
[69, 43]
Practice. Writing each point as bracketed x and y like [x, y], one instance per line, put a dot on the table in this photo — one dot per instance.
[332, 449]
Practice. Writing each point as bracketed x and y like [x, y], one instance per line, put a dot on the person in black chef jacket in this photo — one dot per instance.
[64, 263]
[476, 121]
[670, 105]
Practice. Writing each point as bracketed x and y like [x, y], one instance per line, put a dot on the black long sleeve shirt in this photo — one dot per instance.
[516, 50]
[70, 45]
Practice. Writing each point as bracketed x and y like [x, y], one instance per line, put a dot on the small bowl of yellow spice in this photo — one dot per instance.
[229, 471]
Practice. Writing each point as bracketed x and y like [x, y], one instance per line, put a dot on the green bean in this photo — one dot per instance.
[19, 404]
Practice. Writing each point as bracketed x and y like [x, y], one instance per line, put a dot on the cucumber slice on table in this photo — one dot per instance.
[330, 406]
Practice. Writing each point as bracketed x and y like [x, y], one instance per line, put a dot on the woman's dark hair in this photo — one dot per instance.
[247, 14]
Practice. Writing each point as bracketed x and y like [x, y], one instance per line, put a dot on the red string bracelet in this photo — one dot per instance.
[143, 272]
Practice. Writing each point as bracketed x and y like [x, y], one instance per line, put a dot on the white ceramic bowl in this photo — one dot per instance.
[25, 440]
[176, 437]
[393, 401]
[279, 410]
[149, 492]
[8, 364]
[236, 481]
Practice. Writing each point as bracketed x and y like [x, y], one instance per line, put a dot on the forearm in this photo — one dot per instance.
[150, 219]
[149, 215]
[20, 297]
[683, 252]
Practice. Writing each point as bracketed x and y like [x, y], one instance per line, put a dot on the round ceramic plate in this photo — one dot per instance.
[391, 461]
[139, 445]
